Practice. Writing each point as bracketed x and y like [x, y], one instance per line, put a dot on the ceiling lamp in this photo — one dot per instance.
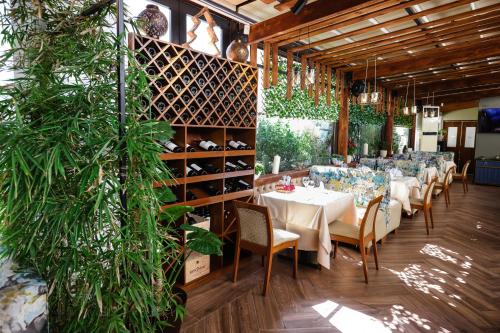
[406, 109]
[414, 107]
[363, 97]
[375, 96]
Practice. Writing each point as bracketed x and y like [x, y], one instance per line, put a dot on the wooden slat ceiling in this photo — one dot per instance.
[434, 42]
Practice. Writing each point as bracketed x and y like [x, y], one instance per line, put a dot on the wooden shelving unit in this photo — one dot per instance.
[203, 97]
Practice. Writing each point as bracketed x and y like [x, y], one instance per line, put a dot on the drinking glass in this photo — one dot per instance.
[306, 181]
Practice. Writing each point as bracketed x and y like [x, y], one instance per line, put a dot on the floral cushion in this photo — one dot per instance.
[432, 159]
[23, 300]
[401, 156]
[368, 162]
[365, 184]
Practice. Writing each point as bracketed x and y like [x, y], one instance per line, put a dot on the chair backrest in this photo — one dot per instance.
[428, 191]
[447, 177]
[370, 217]
[465, 168]
[254, 223]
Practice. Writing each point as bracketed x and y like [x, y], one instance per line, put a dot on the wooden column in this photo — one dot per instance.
[322, 80]
[311, 87]
[389, 123]
[275, 65]
[337, 84]
[343, 123]
[289, 74]
[253, 54]
[329, 86]
[411, 141]
[317, 83]
[266, 65]
[303, 68]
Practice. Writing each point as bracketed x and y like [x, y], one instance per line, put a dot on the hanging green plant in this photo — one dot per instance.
[402, 120]
[365, 115]
[301, 106]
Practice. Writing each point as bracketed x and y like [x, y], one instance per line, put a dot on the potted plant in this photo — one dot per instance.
[108, 261]
[352, 148]
[441, 134]
[259, 170]
[383, 149]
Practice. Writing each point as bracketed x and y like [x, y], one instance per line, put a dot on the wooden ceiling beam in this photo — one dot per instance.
[386, 24]
[453, 106]
[449, 84]
[347, 20]
[467, 97]
[487, 47]
[431, 41]
[449, 23]
[285, 5]
[313, 13]
[455, 92]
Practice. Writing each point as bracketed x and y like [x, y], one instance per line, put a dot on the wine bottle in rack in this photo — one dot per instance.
[247, 147]
[159, 83]
[205, 145]
[220, 93]
[186, 79]
[199, 100]
[190, 149]
[186, 98]
[231, 112]
[243, 165]
[199, 170]
[167, 56]
[201, 81]
[220, 77]
[169, 75]
[237, 104]
[161, 106]
[226, 103]
[230, 167]
[225, 120]
[171, 146]
[211, 120]
[243, 185]
[213, 66]
[200, 63]
[185, 59]
[210, 168]
[177, 67]
[151, 71]
[170, 96]
[211, 189]
[224, 69]
[185, 116]
[242, 113]
[169, 116]
[207, 92]
[190, 195]
[176, 173]
[151, 51]
[199, 118]
[238, 88]
[193, 90]
[190, 172]
[177, 107]
[246, 122]
[231, 96]
[178, 87]
[160, 63]
[193, 70]
[234, 145]
[192, 109]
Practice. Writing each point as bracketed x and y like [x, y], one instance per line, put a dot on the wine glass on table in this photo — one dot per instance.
[307, 182]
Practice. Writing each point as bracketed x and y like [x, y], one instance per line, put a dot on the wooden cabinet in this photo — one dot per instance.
[210, 98]
[487, 172]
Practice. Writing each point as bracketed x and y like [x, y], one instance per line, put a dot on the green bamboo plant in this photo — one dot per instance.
[60, 211]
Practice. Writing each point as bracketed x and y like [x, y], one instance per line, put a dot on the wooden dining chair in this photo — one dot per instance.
[425, 204]
[360, 235]
[255, 233]
[444, 186]
[463, 176]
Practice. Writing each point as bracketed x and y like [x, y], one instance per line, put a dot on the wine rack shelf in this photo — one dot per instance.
[203, 98]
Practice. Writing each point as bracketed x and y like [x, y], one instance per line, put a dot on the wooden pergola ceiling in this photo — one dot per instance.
[433, 42]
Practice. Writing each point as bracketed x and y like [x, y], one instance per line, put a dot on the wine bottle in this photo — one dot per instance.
[169, 116]
[193, 90]
[186, 79]
[210, 168]
[243, 165]
[225, 120]
[230, 167]
[159, 84]
[199, 118]
[177, 107]
[235, 145]
[217, 147]
[244, 185]
[192, 109]
[193, 70]
[199, 170]
[201, 81]
[169, 75]
[220, 94]
[199, 100]
[171, 146]
[231, 96]
[176, 173]
[190, 195]
[167, 56]
[160, 63]
[211, 189]
[200, 63]
[161, 106]
[177, 67]
[190, 172]
[207, 92]
[190, 219]
[185, 59]
[245, 146]
[213, 66]
[205, 145]
[152, 51]
[224, 69]
[177, 87]
[185, 116]
[170, 96]
[186, 98]
[190, 149]
[151, 71]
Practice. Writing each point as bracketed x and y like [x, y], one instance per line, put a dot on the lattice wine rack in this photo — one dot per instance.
[203, 97]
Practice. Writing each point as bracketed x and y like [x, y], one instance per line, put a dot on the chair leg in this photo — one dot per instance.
[363, 259]
[432, 218]
[426, 221]
[335, 247]
[295, 259]
[375, 253]
[448, 195]
[463, 184]
[269, 265]
[236, 261]
[466, 184]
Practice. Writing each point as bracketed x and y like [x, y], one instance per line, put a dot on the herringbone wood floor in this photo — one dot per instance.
[446, 282]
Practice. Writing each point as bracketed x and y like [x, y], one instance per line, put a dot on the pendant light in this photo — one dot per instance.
[406, 109]
[375, 95]
[414, 107]
[363, 97]
[311, 74]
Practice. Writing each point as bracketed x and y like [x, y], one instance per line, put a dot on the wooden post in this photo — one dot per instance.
[253, 54]
[317, 83]
[343, 124]
[328, 86]
[322, 80]
[411, 142]
[267, 59]
[310, 89]
[289, 74]
[275, 65]
[337, 84]
[303, 68]
[389, 123]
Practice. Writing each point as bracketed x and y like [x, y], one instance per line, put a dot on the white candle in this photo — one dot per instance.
[276, 164]
[365, 149]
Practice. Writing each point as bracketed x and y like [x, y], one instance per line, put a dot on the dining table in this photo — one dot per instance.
[308, 212]
[405, 188]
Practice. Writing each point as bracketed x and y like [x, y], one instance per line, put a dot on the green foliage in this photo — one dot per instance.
[402, 120]
[297, 150]
[365, 115]
[59, 188]
[259, 168]
[202, 241]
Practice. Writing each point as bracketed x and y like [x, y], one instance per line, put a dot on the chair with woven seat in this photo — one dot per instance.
[444, 186]
[361, 235]
[255, 233]
[425, 204]
[463, 176]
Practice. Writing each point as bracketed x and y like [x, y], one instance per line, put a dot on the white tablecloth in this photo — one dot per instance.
[404, 188]
[308, 212]
[430, 173]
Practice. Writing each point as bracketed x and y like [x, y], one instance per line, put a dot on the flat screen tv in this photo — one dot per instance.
[489, 120]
